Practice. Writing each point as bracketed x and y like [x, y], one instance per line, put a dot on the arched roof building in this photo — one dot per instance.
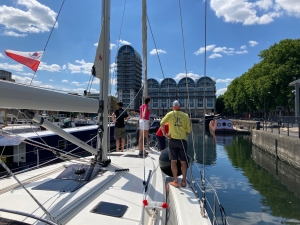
[188, 91]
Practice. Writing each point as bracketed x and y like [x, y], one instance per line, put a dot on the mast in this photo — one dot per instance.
[144, 42]
[102, 60]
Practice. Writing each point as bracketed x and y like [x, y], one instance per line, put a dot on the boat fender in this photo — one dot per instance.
[165, 163]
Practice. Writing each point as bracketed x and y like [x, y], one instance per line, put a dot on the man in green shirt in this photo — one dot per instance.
[179, 128]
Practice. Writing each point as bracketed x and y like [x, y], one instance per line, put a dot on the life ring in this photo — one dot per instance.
[219, 124]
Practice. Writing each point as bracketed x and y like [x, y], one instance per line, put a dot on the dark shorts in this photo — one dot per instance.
[178, 149]
[161, 141]
[120, 133]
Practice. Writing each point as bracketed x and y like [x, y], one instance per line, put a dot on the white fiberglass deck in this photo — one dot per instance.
[124, 188]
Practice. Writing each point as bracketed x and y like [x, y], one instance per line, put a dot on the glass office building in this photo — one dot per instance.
[129, 77]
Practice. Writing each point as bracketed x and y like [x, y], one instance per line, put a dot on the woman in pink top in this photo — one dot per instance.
[144, 124]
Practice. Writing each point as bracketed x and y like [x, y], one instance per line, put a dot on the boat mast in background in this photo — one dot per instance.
[144, 42]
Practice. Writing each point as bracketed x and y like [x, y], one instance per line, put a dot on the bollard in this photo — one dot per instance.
[299, 130]
[272, 126]
[276, 151]
[278, 127]
[288, 129]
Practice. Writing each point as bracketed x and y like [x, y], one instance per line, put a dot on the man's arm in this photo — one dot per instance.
[113, 117]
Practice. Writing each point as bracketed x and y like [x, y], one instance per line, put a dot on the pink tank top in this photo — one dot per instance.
[142, 109]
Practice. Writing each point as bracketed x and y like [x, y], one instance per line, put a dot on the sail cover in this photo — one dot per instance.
[30, 59]
[99, 58]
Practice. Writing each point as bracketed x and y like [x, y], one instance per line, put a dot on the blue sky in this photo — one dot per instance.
[237, 30]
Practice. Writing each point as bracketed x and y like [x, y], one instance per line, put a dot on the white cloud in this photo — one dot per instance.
[227, 80]
[113, 81]
[77, 83]
[64, 67]
[159, 51]
[15, 67]
[27, 74]
[14, 34]
[202, 49]
[221, 91]
[113, 67]
[30, 17]
[50, 68]
[64, 81]
[1, 55]
[83, 67]
[292, 7]
[189, 74]
[241, 52]
[219, 49]
[246, 12]
[47, 86]
[225, 50]
[123, 42]
[81, 90]
[25, 80]
[50, 80]
[112, 46]
[215, 55]
[66, 89]
[243, 47]
[253, 43]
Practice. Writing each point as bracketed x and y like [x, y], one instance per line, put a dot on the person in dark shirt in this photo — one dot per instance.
[118, 118]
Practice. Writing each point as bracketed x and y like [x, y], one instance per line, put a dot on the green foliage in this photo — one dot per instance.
[220, 105]
[269, 79]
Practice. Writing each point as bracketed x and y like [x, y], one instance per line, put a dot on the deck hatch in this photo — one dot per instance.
[110, 209]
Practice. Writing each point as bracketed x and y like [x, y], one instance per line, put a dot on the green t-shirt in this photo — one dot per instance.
[179, 124]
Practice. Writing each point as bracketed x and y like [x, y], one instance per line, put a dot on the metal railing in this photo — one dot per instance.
[289, 126]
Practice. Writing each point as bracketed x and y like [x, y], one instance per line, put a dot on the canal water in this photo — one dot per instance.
[252, 186]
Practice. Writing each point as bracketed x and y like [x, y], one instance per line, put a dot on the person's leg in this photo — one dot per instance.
[123, 144]
[174, 170]
[117, 144]
[117, 138]
[183, 160]
[173, 155]
[123, 134]
[141, 148]
[147, 138]
[183, 170]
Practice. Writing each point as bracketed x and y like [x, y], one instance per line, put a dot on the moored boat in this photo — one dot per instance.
[221, 126]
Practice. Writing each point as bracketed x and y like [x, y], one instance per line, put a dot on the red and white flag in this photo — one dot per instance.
[30, 59]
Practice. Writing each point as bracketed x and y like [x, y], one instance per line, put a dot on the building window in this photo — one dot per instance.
[210, 102]
[192, 103]
[182, 101]
[200, 102]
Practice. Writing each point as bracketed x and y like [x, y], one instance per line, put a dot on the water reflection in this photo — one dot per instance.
[222, 139]
[197, 144]
[253, 190]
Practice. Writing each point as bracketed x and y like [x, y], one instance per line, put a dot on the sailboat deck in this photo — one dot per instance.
[124, 188]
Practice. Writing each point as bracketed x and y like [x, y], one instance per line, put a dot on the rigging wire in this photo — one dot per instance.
[187, 87]
[50, 34]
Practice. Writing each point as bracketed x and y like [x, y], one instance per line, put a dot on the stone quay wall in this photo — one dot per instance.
[284, 147]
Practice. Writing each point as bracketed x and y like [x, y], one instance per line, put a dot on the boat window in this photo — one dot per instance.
[62, 144]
